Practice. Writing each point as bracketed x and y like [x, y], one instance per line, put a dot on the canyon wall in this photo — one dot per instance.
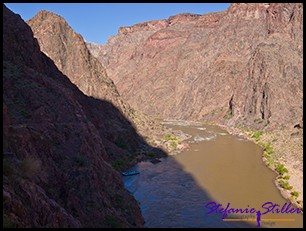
[59, 144]
[239, 66]
[70, 54]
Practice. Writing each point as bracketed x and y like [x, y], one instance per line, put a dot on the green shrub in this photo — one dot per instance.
[268, 148]
[295, 193]
[173, 144]
[151, 154]
[268, 163]
[286, 177]
[228, 115]
[121, 144]
[117, 165]
[265, 154]
[281, 169]
[241, 127]
[167, 137]
[256, 135]
[285, 185]
[261, 144]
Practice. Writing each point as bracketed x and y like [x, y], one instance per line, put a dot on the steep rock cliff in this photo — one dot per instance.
[58, 144]
[226, 66]
[71, 55]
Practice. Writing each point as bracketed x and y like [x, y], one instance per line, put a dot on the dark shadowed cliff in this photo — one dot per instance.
[239, 66]
[71, 55]
[58, 144]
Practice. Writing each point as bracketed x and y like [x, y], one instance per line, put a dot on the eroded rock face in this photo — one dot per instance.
[71, 55]
[237, 66]
[69, 52]
[58, 144]
[94, 48]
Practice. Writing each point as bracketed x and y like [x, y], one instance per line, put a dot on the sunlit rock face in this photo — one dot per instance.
[237, 66]
[71, 55]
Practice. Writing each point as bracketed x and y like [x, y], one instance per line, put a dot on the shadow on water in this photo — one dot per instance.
[225, 169]
[62, 124]
[170, 197]
[183, 208]
[182, 205]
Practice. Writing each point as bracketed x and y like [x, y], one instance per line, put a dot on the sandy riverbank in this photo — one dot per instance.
[288, 150]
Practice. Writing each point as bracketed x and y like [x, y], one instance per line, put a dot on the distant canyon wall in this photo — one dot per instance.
[239, 66]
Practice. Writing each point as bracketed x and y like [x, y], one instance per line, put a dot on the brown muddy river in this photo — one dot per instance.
[218, 168]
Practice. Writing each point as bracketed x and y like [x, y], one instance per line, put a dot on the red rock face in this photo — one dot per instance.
[58, 144]
[71, 55]
[235, 67]
[68, 51]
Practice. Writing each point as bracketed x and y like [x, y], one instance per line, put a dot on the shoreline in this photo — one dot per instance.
[284, 193]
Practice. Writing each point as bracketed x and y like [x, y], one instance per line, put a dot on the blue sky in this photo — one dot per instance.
[96, 22]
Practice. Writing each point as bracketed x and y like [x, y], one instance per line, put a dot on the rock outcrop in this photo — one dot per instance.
[239, 66]
[58, 144]
[94, 48]
[70, 54]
